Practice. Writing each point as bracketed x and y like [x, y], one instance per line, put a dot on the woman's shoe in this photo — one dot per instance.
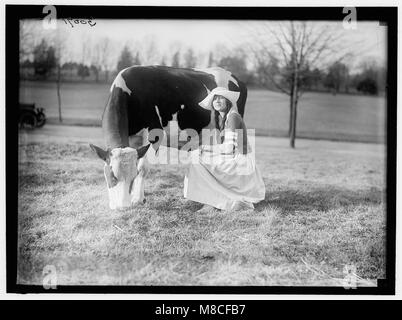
[241, 206]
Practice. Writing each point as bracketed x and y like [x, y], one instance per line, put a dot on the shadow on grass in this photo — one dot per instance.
[175, 203]
[289, 200]
[320, 198]
[167, 180]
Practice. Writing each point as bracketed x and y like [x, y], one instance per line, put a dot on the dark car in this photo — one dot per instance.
[31, 117]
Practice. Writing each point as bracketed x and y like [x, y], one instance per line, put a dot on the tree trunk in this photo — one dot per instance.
[58, 91]
[293, 112]
[294, 117]
[290, 113]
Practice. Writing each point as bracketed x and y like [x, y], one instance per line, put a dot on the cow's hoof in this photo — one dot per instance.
[143, 201]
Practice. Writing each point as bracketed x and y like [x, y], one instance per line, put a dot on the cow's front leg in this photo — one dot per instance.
[137, 193]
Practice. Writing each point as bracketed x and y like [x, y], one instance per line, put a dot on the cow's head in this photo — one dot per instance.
[120, 171]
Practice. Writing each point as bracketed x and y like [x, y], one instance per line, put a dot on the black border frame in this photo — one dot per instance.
[386, 15]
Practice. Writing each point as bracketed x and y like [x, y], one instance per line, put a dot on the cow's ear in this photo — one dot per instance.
[103, 154]
[142, 150]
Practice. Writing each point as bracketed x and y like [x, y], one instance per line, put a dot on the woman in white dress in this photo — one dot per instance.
[226, 176]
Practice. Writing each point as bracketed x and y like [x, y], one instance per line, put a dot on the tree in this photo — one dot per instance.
[59, 42]
[44, 59]
[176, 60]
[367, 85]
[220, 51]
[267, 71]
[69, 68]
[86, 50]
[211, 61]
[372, 77]
[236, 65]
[126, 59]
[58, 39]
[105, 48]
[163, 61]
[28, 34]
[83, 71]
[137, 60]
[190, 60]
[316, 78]
[337, 76]
[149, 51]
[96, 62]
[298, 47]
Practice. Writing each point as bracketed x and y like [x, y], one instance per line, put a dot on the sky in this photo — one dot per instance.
[368, 40]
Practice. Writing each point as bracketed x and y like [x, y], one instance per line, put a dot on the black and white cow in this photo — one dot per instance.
[147, 97]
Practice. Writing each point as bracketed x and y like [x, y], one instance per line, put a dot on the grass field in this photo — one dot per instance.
[324, 209]
[320, 115]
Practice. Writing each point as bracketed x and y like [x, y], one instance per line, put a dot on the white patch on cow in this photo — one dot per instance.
[159, 115]
[221, 76]
[120, 83]
[206, 88]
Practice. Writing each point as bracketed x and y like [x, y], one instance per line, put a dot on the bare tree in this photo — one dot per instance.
[190, 59]
[137, 60]
[176, 60]
[86, 50]
[27, 40]
[59, 43]
[219, 51]
[105, 49]
[201, 59]
[31, 35]
[96, 64]
[173, 53]
[211, 61]
[337, 76]
[148, 51]
[126, 58]
[296, 48]
[100, 57]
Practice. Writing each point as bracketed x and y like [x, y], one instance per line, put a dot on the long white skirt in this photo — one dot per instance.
[221, 181]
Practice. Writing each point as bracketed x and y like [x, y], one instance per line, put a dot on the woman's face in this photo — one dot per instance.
[219, 103]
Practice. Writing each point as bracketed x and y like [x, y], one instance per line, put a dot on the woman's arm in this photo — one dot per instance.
[233, 129]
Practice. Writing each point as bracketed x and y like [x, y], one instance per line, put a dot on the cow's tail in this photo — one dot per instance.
[104, 109]
[241, 103]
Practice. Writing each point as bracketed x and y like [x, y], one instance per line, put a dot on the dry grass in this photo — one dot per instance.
[324, 208]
